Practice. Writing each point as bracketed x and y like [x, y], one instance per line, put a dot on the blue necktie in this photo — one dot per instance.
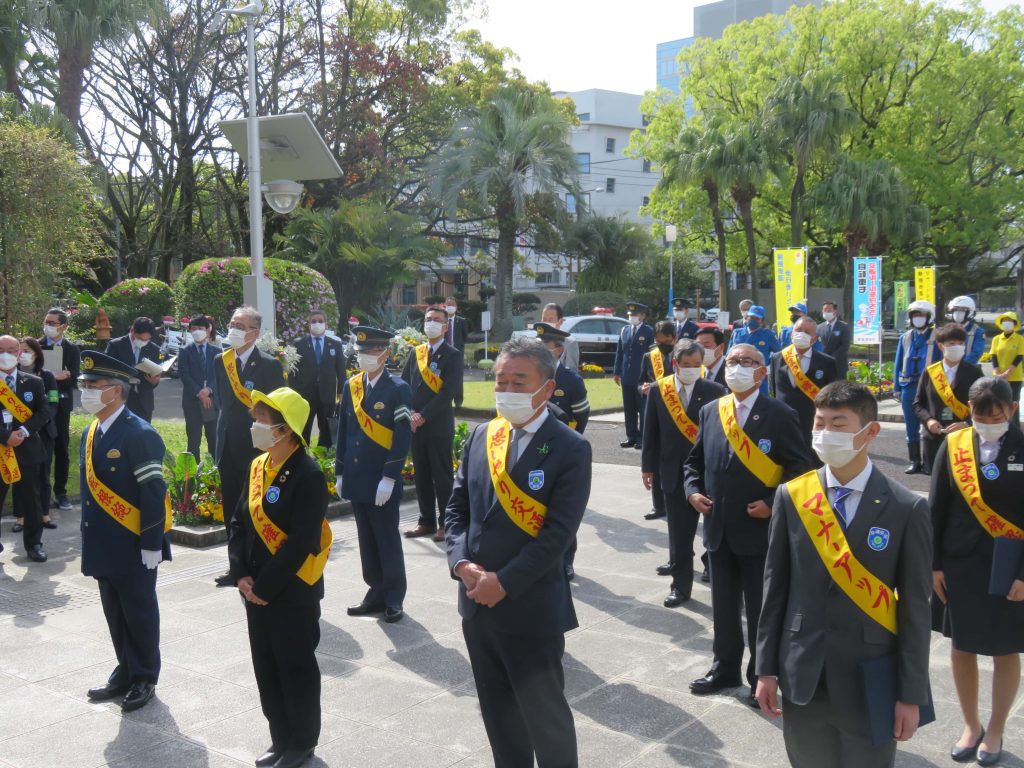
[842, 494]
[319, 350]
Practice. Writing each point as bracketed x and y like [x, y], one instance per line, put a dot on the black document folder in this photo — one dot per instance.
[880, 684]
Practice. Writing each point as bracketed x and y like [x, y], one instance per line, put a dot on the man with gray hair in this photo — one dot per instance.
[518, 499]
[799, 372]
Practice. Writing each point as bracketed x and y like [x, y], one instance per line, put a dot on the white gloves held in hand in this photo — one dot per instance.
[151, 558]
[384, 490]
[337, 485]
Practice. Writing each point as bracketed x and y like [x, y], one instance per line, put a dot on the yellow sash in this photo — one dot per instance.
[657, 363]
[272, 536]
[243, 394]
[964, 468]
[803, 383]
[380, 434]
[760, 466]
[526, 512]
[431, 379]
[684, 423]
[110, 502]
[10, 472]
[873, 596]
[945, 391]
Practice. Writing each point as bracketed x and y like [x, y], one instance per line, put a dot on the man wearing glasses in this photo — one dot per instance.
[54, 326]
[239, 371]
[747, 443]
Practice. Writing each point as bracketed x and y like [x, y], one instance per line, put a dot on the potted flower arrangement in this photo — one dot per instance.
[194, 489]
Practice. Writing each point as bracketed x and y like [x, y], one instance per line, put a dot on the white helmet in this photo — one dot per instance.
[921, 306]
[964, 304]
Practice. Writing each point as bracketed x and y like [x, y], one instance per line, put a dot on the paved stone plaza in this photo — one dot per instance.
[393, 695]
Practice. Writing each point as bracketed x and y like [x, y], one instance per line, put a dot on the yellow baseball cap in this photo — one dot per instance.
[290, 404]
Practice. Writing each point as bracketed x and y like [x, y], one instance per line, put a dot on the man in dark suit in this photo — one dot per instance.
[741, 320]
[25, 413]
[374, 435]
[685, 327]
[239, 371]
[200, 400]
[55, 324]
[520, 494]
[670, 430]
[634, 341]
[656, 365]
[835, 337]
[713, 342]
[744, 448]
[799, 372]
[122, 461]
[434, 372]
[321, 370]
[813, 637]
[134, 346]
[458, 328]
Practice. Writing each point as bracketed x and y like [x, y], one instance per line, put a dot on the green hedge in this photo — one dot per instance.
[214, 287]
[137, 297]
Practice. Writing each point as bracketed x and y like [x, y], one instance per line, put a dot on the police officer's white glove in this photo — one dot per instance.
[337, 485]
[385, 488]
[151, 558]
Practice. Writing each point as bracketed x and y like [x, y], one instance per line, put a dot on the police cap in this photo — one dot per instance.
[96, 365]
[548, 332]
[368, 337]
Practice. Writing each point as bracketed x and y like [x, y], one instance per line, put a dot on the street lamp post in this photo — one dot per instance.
[670, 238]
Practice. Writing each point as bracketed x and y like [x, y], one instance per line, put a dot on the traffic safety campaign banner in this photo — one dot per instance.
[901, 298]
[924, 284]
[867, 300]
[790, 280]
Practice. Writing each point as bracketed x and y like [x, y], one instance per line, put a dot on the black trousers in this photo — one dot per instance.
[27, 505]
[736, 581]
[435, 475]
[60, 453]
[816, 735]
[520, 684]
[234, 471]
[929, 450]
[194, 429]
[283, 640]
[1015, 387]
[380, 551]
[658, 496]
[133, 618]
[632, 406]
[323, 411]
[43, 479]
[682, 527]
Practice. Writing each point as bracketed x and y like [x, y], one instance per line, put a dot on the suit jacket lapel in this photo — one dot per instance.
[872, 505]
[531, 459]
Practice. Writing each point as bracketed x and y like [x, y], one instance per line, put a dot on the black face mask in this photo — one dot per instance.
[665, 349]
[794, 318]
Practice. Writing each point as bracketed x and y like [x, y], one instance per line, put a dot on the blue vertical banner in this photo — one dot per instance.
[867, 300]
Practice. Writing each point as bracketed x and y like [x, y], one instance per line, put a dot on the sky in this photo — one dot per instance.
[574, 45]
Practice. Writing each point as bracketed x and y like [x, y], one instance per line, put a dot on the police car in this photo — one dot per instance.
[597, 336]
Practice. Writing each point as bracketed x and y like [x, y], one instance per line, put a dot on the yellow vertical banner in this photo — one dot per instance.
[790, 266]
[924, 284]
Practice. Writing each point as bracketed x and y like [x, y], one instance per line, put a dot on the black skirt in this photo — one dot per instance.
[978, 622]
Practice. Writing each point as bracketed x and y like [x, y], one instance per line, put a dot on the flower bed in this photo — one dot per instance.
[876, 377]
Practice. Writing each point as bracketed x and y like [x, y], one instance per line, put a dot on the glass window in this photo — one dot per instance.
[614, 326]
[647, 166]
[647, 200]
[570, 203]
[590, 325]
[609, 184]
[609, 146]
[583, 162]
[583, 116]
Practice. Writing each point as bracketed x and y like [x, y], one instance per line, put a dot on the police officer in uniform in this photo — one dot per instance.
[656, 365]
[132, 348]
[121, 466]
[685, 327]
[915, 351]
[369, 469]
[961, 310]
[818, 368]
[320, 371]
[633, 344]
[797, 311]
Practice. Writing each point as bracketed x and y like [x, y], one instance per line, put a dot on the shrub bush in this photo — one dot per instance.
[137, 297]
[214, 287]
[584, 302]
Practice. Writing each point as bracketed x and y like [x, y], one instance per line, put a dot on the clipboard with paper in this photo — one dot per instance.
[53, 359]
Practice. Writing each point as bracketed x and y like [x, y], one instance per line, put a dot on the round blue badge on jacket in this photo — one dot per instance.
[27, 397]
[273, 494]
[990, 471]
[878, 539]
[764, 445]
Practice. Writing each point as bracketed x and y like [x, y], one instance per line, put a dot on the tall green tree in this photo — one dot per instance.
[607, 245]
[745, 168]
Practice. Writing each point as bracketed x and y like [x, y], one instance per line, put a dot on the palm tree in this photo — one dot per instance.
[808, 115]
[696, 159]
[14, 16]
[508, 149]
[608, 244]
[870, 204]
[745, 166]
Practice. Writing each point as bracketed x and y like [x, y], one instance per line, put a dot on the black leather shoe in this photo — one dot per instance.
[570, 572]
[17, 528]
[990, 758]
[1, 546]
[293, 758]
[225, 580]
[675, 599]
[36, 554]
[913, 469]
[49, 525]
[393, 614]
[638, 447]
[752, 699]
[627, 443]
[364, 609]
[705, 577]
[108, 691]
[138, 696]
[966, 754]
[664, 570]
[713, 682]
[654, 514]
[269, 757]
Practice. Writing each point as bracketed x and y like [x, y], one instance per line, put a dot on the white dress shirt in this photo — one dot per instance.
[950, 371]
[805, 362]
[744, 407]
[370, 382]
[987, 452]
[529, 429]
[243, 358]
[108, 422]
[712, 372]
[857, 485]
[685, 392]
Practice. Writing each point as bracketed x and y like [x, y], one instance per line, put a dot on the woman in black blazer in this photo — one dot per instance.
[964, 542]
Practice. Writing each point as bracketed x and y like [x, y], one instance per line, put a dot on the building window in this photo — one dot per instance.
[583, 162]
[609, 146]
[409, 294]
[645, 120]
[647, 200]
[609, 185]
[570, 203]
[647, 166]
[584, 117]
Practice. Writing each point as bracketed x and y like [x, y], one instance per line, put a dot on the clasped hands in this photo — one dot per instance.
[245, 587]
[481, 586]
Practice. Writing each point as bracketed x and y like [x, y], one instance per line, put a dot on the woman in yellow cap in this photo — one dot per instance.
[1007, 354]
[278, 545]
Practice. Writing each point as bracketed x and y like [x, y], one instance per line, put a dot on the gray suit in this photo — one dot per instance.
[814, 638]
[571, 355]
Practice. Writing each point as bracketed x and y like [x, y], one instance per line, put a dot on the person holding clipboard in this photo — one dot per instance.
[977, 486]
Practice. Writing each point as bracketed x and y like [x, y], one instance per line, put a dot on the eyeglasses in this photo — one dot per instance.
[241, 327]
[91, 385]
[745, 362]
[53, 323]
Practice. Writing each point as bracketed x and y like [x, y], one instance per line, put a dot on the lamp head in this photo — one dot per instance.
[282, 195]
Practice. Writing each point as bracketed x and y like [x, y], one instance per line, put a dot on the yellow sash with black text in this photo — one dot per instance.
[676, 409]
[270, 534]
[430, 378]
[380, 434]
[110, 501]
[945, 391]
[963, 466]
[760, 466]
[869, 593]
[522, 509]
[803, 383]
[10, 472]
[657, 363]
[243, 394]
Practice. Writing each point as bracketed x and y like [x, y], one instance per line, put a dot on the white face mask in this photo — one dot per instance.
[262, 436]
[829, 316]
[739, 379]
[1008, 326]
[990, 433]
[318, 329]
[634, 320]
[959, 315]
[953, 353]
[919, 321]
[8, 361]
[368, 361]
[50, 332]
[687, 376]
[26, 359]
[835, 448]
[92, 400]
[139, 343]
[517, 407]
[236, 337]
[432, 328]
[450, 310]
[802, 340]
[679, 315]
[198, 336]
[710, 356]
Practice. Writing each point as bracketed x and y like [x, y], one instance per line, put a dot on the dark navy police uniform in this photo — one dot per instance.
[634, 341]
